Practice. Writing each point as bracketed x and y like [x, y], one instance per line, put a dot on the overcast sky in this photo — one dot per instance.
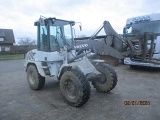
[20, 15]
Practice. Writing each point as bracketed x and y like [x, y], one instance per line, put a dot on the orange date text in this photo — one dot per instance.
[135, 102]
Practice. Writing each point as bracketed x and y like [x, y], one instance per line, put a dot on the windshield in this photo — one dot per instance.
[141, 27]
[68, 35]
[60, 35]
[54, 34]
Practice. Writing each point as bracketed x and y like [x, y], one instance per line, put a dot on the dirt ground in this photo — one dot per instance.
[19, 102]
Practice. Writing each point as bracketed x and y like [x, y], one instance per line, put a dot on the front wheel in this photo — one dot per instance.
[107, 80]
[35, 80]
[133, 66]
[75, 88]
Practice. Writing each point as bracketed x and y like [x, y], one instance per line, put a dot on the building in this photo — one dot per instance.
[6, 40]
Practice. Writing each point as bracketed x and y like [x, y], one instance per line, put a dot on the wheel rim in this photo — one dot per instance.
[32, 78]
[102, 79]
[71, 89]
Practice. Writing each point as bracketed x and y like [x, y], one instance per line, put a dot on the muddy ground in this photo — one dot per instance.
[19, 102]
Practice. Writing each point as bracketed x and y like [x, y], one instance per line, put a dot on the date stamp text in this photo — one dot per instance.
[135, 102]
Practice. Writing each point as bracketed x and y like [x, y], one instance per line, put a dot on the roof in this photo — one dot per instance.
[149, 17]
[8, 36]
[53, 21]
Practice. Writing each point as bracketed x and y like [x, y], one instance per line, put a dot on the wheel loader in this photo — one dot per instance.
[57, 56]
[75, 66]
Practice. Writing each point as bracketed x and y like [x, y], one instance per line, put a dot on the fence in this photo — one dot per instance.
[18, 51]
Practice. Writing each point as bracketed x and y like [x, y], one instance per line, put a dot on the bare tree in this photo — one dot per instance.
[26, 41]
[25, 44]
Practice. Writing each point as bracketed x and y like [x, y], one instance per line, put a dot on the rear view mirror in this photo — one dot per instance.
[80, 27]
[124, 30]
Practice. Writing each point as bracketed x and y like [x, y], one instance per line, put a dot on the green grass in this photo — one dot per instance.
[12, 57]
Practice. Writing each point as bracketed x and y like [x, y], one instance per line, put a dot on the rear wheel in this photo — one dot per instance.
[107, 80]
[35, 80]
[75, 88]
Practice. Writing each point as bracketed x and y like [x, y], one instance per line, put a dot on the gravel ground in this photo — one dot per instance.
[19, 102]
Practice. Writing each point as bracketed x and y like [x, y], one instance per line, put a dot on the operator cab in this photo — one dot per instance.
[54, 34]
[142, 24]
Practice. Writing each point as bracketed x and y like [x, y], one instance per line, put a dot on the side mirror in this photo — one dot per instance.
[124, 30]
[80, 27]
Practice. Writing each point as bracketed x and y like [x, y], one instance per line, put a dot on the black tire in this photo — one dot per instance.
[108, 79]
[133, 66]
[35, 80]
[75, 88]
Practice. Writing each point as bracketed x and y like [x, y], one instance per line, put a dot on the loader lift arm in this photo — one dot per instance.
[121, 46]
[110, 44]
